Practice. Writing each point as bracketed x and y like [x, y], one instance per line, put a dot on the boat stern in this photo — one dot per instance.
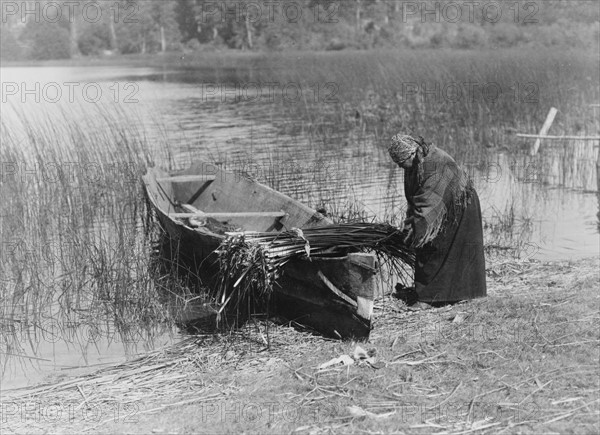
[334, 296]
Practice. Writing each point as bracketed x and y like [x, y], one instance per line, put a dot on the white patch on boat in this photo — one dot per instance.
[365, 307]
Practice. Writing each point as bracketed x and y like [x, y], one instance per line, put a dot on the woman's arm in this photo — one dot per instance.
[428, 211]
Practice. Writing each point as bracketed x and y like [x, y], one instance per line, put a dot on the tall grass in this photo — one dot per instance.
[464, 101]
[75, 251]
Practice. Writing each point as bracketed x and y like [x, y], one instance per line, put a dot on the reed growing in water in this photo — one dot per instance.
[74, 247]
[464, 101]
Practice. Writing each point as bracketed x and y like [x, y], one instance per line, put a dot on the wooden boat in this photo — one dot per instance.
[331, 294]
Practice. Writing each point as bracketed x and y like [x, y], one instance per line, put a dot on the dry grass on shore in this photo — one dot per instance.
[522, 360]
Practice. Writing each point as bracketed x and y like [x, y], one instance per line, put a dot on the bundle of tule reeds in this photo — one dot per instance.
[251, 262]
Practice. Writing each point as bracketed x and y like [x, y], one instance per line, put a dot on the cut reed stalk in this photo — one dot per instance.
[251, 262]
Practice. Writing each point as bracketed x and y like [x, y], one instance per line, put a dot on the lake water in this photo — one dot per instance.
[200, 120]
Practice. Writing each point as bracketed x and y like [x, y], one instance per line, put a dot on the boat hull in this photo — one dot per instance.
[332, 295]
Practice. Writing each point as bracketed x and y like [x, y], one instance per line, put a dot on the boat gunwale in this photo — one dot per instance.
[221, 237]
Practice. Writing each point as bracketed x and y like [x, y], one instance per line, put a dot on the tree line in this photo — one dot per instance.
[47, 29]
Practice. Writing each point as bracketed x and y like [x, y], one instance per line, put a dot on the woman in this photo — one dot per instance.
[443, 225]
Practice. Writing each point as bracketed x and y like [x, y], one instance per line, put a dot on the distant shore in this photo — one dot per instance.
[194, 57]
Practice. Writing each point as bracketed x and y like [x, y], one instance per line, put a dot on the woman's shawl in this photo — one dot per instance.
[436, 190]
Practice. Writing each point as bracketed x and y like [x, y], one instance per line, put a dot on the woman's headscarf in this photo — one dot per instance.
[403, 147]
[406, 147]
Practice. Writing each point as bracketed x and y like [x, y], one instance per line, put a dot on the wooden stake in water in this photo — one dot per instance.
[544, 130]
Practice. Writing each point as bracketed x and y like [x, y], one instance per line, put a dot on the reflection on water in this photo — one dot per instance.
[546, 203]
[54, 352]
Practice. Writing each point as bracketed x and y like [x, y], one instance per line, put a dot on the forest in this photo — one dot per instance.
[41, 30]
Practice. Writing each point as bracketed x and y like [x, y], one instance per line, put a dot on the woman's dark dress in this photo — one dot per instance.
[445, 215]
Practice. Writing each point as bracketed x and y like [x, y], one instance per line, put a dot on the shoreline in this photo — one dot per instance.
[195, 57]
[536, 315]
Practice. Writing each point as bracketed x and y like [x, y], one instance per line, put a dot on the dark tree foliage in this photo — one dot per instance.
[44, 40]
[94, 40]
[186, 19]
[151, 26]
[9, 46]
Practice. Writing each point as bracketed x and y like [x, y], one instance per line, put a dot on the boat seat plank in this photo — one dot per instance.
[186, 178]
[248, 214]
[190, 208]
